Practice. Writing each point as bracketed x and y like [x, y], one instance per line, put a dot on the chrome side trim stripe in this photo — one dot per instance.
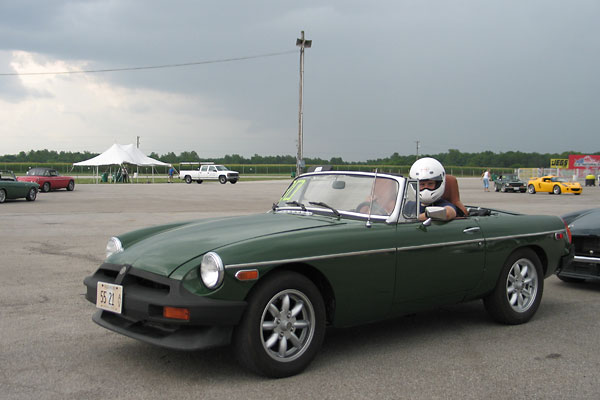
[380, 251]
[591, 260]
[525, 235]
[313, 258]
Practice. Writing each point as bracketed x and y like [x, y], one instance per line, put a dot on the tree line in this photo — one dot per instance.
[453, 157]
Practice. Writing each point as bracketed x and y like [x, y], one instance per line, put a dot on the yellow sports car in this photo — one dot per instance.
[553, 184]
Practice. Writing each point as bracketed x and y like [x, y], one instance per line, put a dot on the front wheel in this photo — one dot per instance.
[531, 189]
[31, 194]
[223, 179]
[556, 189]
[283, 327]
[519, 289]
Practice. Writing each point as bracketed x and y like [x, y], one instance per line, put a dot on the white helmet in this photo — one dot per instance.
[429, 169]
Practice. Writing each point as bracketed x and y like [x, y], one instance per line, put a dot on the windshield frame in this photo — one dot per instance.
[310, 209]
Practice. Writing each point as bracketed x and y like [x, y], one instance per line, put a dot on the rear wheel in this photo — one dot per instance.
[188, 179]
[2, 196]
[519, 289]
[283, 327]
[531, 189]
[46, 187]
[31, 194]
[556, 189]
[223, 179]
[199, 181]
[71, 186]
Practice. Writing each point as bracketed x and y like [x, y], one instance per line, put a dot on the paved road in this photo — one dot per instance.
[50, 348]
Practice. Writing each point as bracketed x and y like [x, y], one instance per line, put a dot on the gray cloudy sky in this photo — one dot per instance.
[472, 75]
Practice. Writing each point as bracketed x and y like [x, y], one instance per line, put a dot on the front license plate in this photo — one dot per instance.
[109, 297]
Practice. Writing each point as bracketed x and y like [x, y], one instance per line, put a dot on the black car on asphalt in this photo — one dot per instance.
[509, 183]
[585, 231]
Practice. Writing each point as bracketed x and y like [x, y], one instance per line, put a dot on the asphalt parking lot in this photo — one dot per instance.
[50, 348]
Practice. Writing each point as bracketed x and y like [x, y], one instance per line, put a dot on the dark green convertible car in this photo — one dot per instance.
[10, 188]
[339, 249]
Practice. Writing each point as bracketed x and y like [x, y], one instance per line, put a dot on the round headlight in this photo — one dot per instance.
[211, 270]
[113, 246]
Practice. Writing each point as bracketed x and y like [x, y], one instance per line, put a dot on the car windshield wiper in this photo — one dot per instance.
[321, 204]
[295, 203]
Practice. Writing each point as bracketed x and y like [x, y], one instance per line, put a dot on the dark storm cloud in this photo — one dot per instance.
[495, 75]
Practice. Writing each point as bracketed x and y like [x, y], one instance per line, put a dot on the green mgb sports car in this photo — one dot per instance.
[339, 249]
[10, 188]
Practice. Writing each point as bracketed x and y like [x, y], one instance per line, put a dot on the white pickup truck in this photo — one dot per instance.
[200, 171]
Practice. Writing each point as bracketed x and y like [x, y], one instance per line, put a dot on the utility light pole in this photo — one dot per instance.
[417, 149]
[302, 43]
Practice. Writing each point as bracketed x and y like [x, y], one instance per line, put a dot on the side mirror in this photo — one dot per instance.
[436, 213]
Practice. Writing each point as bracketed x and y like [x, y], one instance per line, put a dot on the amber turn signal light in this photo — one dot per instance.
[247, 275]
[176, 313]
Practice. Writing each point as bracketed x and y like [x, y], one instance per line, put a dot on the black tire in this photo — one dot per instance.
[519, 289]
[568, 279]
[2, 196]
[46, 187]
[496, 189]
[556, 189]
[223, 179]
[188, 179]
[31, 194]
[233, 182]
[199, 181]
[268, 323]
[71, 186]
[531, 189]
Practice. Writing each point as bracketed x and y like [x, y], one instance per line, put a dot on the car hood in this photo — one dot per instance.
[162, 252]
[583, 223]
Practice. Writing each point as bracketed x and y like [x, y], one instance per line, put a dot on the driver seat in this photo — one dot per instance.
[452, 194]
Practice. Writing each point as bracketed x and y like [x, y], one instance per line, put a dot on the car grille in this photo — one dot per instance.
[131, 279]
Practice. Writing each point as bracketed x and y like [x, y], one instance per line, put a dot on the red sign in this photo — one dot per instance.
[584, 162]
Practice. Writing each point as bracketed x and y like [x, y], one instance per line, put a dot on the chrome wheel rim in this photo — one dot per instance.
[32, 194]
[2, 196]
[287, 325]
[522, 285]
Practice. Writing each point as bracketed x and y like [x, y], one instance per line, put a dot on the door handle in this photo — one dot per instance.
[472, 230]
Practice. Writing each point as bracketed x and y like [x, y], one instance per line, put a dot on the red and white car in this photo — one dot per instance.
[48, 179]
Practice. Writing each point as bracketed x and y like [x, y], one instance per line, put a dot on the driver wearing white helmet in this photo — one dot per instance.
[432, 182]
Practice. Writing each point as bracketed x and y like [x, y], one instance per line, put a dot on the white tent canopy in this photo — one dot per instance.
[119, 154]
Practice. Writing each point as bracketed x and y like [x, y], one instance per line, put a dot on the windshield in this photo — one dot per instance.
[344, 193]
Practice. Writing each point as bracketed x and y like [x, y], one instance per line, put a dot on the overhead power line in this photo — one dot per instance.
[92, 71]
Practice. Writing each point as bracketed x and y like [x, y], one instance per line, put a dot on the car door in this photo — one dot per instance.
[437, 264]
[545, 185]
[212, 172]
[15, 189]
